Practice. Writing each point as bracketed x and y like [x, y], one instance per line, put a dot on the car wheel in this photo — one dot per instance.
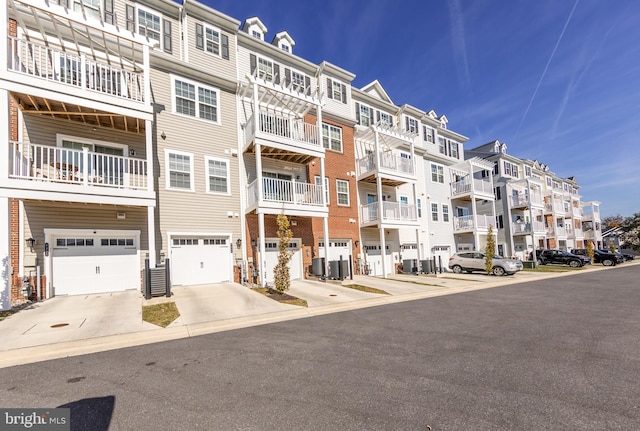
[498, 270]
[574, 264]
[542, 262]
[457, 269]
[607, 262]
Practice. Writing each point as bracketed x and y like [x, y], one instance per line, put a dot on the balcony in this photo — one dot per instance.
[278, 195]
[578, 234]
[55, 169]
[592, 235]
[284, 135]
[554, 206]
[393, 170]
[394, 214]
[470, 223]
[481, 189]
[83, 76]
[525, 201]
[525, 228]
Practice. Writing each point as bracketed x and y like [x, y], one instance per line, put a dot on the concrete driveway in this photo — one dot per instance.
[66, 318]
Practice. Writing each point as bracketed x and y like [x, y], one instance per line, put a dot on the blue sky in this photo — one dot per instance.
[558, 81]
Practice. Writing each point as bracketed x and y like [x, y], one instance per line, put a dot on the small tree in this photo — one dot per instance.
[490, 250]
[282, 278]
[590, 250]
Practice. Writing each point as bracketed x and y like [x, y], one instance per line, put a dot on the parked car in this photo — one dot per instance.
[628, 256]
[561, 257]
[475, 261]
[600, 256]
[619, 256]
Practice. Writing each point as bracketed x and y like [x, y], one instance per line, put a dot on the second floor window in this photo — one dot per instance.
[297, 80]
[195, 100]
[411, 125]
[331, 137]
[179, 168]
[364, 115]
[385, 119]
[91, 7]
[218, 176]
[149, 24]
[445, 213]
[427, 134]
[212, 41]
[434, 212]
[342, 190]
[437, 173]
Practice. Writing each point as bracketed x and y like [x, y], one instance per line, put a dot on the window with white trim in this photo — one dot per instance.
[527, 171]
[342, 191]
[445, 213]
[118, 242]
[419, 204]
[331, 137]
[336, 90]
[385, 119]
[437, 173]
[326, 186]
[297, 81]
[511, 169]
[211, 40]
[404, 200]
[179, 170]
[195, 100]
[285, 47]
[218, 179]
[434, 212]
[91, 7]
[364, 115]
[427, 134]
[412, 125]
[265, 69]
[149, 24]
[74, 242]
[441, 145]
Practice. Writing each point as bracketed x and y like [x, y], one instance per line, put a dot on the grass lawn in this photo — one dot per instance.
[280, 297]
[552, 268]
[160, 314]
[366, 289]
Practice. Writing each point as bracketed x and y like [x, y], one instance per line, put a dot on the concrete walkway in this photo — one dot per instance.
[75, 325]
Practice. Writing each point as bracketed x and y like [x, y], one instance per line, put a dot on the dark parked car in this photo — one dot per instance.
[619, 256]
[561, 257]
[600, 256]
[629, 256]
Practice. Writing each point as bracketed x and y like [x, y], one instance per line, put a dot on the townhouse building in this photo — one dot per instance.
[535, 208]
[592, 224]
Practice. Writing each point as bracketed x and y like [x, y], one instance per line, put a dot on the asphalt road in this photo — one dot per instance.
[563, 354]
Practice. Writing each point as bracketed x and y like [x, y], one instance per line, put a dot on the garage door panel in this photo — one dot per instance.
[200, 263]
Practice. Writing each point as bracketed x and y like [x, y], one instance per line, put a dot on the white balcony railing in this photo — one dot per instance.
[525, 200]
[469, 222]
[388, 162]
[391, 212]
[58, 66]
[466, 186]
[83, 167]
[283, 127]
[283, 191]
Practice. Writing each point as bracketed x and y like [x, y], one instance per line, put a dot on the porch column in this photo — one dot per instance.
[148, 140]
[151, 236]
[5, 277]
[263, 257]
[147, 75]
[383, 248]
[415, 203]
[325, 220]
[476, 236]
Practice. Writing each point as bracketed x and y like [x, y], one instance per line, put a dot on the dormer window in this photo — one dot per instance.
[285, 47]
[256, 34]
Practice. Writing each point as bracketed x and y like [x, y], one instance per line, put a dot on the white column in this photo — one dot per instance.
[148, 130]
[263, 257]
[383, 248]
[147, 75]
[325, 221]
[151, 236]
[5, 268]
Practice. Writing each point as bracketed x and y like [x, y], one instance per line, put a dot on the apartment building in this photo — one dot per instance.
[535, 208]
[592, 223]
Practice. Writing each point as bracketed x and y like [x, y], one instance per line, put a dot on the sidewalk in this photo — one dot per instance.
[75, 325]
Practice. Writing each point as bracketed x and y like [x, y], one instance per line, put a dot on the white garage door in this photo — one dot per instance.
[86, 264]
[442, 255]
[295, 264]
[374, 259]
[200, 260]
[337, 248]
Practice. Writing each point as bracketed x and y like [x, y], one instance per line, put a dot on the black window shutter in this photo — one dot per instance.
[370, 116]
[406, 123]
[307, 85]
[276, 73]
[131, 18]
[166, 35]
[63, 3]
[287, 76]
[344, 93]
[357, 113]
[253, 63]
[199, 36]
[225, 47]
[329, 89]
[378, 116]
[108, 11]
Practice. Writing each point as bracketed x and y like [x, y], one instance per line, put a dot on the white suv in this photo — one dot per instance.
[475, 260]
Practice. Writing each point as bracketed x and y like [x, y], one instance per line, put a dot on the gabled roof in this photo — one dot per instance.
[283, 35]
[432, 114]
[443, 119]
[375, 89]
[251, 21]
